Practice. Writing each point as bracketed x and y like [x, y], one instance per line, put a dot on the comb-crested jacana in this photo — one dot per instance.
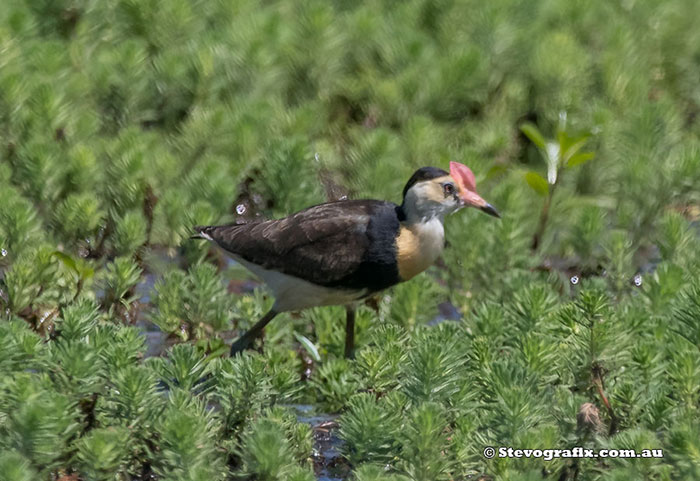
[342, 252]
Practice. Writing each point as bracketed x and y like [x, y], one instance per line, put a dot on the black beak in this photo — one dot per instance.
[491, 210]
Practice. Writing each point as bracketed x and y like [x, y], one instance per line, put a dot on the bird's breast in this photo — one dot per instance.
[418, 246]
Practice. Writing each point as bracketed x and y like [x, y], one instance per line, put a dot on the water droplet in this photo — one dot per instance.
[574, 280]
[638, 280]
[240, 209]
[3, 252]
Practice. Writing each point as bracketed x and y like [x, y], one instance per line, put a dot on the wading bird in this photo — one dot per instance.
[341, 252]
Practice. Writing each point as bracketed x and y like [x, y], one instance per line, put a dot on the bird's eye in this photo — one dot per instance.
[449, 189]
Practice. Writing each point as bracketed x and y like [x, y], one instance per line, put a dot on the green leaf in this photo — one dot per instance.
[216, 347]
[538, 183]
[580, 158]
[571, 144]
[309, 346]
[67, 261]
[570, 150]
[533, 133]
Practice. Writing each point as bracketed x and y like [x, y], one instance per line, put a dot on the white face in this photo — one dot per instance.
[432, 198]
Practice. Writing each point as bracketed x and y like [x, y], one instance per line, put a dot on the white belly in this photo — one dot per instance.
[293, 294]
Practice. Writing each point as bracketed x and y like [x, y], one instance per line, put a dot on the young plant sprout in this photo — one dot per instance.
[560, 153]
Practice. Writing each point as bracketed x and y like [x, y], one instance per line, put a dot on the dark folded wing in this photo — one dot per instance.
[339, 244]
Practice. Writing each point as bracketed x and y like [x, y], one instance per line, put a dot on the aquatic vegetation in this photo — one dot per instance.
[123, 124]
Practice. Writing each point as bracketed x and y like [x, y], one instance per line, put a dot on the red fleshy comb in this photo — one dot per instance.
[464, 175]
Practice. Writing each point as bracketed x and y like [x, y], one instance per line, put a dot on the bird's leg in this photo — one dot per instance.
[249, 336]
[349, 332]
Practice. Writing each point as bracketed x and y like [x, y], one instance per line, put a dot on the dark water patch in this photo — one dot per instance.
[329, 463]
[243, 286]
[648, 259]
[157, 341]
[446, 312]
[144, 289]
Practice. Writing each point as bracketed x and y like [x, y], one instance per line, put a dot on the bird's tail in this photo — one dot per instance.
[202, 232]
[207, 231]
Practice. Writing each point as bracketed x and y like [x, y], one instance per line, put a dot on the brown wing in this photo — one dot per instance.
[344, 244]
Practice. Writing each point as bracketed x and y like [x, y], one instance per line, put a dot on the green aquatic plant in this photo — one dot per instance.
[333, 382]
[193, 305]
[123, 124]
[187, 448]
[103, 453]
[560, 154]
[273, 448]
[120, 278]
[424, 444]
[370, 430]
[39, 421]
